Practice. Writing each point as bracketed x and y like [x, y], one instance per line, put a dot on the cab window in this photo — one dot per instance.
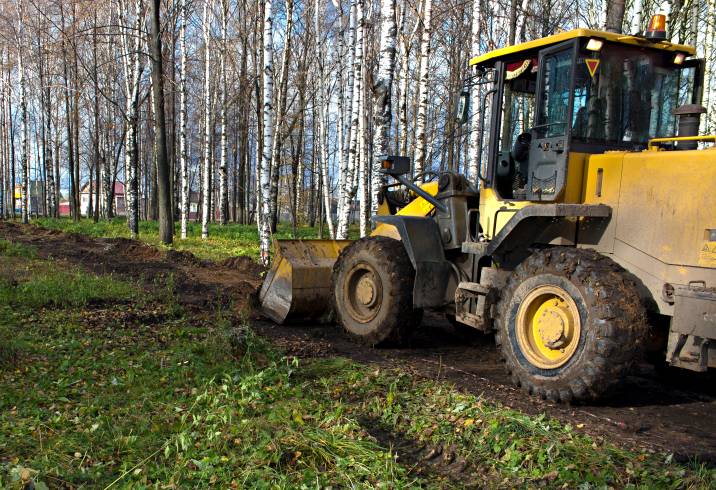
[630, 96]
[554, 109]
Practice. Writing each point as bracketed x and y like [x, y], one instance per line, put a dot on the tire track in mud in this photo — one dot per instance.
[662, 410]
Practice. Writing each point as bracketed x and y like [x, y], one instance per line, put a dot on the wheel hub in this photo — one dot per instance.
[548, 327]
[553, 324]
[363, 292]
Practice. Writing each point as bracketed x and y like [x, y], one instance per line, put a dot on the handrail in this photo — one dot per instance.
[653, 144]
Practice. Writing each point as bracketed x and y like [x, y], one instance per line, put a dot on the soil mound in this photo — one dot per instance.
[243, 264]
[183, 257]
[134, 249]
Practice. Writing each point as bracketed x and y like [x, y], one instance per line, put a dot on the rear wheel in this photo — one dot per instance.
[373, 291]
[570, 324]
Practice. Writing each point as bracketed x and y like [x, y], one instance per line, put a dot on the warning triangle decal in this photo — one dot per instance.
[592, 65]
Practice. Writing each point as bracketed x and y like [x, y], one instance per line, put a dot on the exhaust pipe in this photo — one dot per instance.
[689, 120]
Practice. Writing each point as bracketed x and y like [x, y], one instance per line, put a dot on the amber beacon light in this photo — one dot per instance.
[657, 28]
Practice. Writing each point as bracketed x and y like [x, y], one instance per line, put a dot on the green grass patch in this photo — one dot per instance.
[139, 406]
[10, 348]
[223, 242]
[10, 249]
[512, 449]
[52, 288]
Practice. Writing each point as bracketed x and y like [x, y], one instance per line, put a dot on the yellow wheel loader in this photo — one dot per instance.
[590, 230]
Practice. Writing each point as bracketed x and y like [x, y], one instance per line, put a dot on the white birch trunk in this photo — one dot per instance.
[131, 44]
[421, 133]
[348, 190]
[362, 180]
[345, 179]
[223, 178]
[265, 225]
[339, 55]
[258, 149]
[323, 102]
[280, 109]
[184, 165]
[382, 110]
[206, 168]
[24, 124]
[473, 163]
[406, 43]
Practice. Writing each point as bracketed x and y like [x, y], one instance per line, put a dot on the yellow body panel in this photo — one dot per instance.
[489, 58]
[662, 202]
[602, 185]
[417, 207]
[496, 212]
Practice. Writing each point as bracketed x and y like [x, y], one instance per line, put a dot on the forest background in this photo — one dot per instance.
[274, 110]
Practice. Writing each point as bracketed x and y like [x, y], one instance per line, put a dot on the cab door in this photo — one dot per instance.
[549, 150]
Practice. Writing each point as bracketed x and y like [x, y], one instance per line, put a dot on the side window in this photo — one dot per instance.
[553, 113]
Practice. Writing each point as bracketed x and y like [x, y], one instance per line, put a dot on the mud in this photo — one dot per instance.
[197, 284]
[657, 408]
[661, 409]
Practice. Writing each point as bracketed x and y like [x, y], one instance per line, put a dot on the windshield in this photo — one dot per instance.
[627, 95]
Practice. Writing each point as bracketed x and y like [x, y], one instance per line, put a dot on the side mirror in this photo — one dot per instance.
[394, 165]
[463, 107]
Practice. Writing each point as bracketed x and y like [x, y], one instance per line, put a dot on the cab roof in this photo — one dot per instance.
[488, 59]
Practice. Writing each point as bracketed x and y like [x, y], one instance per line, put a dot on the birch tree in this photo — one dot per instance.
[223, 179]
[280, 110]
[348, 191]
[184, 165]
[345, 178]
[24, 123]
[206, 170]
[130, 43]
[265, 225]
[323, 101]
[382, 90]
[422, 118]
[406, 43]
[473, 164]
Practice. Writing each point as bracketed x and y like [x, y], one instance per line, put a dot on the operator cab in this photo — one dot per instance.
[558, 99]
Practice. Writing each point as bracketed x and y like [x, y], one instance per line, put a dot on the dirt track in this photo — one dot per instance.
[662, 409]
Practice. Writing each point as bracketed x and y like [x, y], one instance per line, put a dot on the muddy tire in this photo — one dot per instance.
[570, 324]
[373, 291]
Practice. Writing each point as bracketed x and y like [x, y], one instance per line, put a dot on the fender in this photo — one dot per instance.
[511, 245]
[422, 242]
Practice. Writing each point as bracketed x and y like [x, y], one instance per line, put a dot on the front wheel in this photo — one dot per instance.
[570, 324]
[373, 291]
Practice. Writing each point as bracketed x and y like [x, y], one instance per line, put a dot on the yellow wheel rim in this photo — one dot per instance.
[548, 327]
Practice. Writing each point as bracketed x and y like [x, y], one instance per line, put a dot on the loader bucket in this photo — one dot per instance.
[299, 282]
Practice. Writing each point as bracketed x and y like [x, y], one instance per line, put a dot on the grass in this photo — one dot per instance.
[10, 249]
[127, 395]
[223, 242]
[106, 391]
